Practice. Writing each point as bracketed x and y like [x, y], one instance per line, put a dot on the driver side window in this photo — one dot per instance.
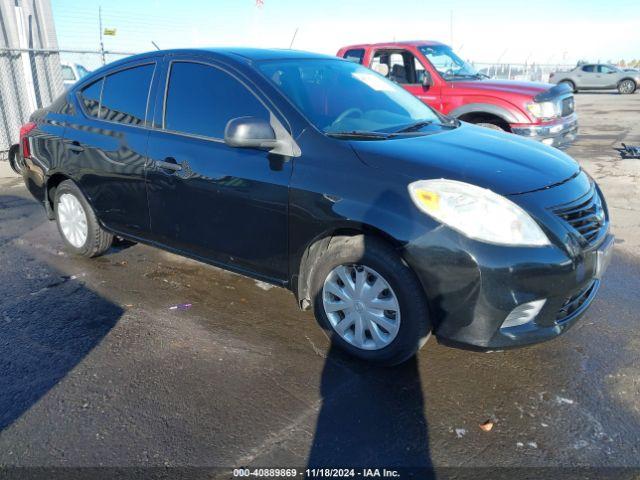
[399, 66]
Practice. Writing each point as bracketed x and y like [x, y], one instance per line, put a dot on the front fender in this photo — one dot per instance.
[499, 111]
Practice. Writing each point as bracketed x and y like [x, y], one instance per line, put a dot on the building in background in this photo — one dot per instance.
[30, 74]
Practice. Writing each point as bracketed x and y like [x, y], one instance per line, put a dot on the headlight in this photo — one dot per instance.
[543, 110]
[477, 212]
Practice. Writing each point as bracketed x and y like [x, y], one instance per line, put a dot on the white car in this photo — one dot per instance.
[72, 72]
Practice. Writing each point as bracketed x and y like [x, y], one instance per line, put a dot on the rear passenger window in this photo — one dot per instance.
[201, 100]
[90, 97]
[589, 68]
[125, 94]
[355, 55]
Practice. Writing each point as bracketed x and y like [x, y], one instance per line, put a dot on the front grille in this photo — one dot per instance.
[568, 105]
[574, 302]
[586, 216]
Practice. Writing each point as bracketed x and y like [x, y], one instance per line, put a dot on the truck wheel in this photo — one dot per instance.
[492, 126]
[569, 84]
[627, 86]
[77, 223]
[369, 300]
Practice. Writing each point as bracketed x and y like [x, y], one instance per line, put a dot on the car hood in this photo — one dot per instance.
[529, 89]
[502, 162]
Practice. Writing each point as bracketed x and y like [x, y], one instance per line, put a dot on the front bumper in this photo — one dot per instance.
[472, 287]
[560, 133]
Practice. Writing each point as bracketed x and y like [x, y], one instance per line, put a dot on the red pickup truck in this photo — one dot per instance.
[437, 76]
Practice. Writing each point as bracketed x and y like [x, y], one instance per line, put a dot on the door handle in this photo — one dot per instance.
[169, 164]
[76, 147]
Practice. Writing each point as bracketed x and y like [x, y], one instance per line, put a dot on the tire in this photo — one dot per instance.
[492, 126]
[15, 160]
[627, 86]
[96, 240]
[570, 84]
[375, 256]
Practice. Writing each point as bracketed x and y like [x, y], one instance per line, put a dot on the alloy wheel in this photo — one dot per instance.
[627, 86]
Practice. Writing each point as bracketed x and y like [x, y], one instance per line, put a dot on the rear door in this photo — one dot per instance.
[106, 145]
[223, 204]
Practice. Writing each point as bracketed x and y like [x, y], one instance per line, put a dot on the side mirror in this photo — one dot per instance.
[427, 81]
[250, 132]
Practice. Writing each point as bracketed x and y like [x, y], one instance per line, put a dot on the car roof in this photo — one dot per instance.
[239, 54]
[402, 44]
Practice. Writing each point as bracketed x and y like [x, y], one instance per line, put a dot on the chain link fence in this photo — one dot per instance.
[32, 78]
[29, 79]
[520, 71]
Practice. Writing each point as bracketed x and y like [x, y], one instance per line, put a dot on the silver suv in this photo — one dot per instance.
[594, 76]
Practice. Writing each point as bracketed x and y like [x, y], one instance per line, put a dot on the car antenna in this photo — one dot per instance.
[155, 45]
[293, 38]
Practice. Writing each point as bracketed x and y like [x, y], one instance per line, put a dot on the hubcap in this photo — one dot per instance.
[361, 306]
[72, 219]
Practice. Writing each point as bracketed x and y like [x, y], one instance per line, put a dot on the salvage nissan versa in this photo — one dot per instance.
[314, 173]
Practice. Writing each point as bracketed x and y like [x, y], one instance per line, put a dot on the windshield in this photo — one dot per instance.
[448, 64]
[340, 96]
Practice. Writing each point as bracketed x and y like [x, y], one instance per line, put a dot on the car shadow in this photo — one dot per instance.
[372, 416]
[49, 320]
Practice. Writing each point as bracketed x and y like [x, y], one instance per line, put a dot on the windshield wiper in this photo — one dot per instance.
[414, 126]
[359, 134]
[448, 123]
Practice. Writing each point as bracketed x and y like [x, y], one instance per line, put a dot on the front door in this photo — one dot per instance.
[404, 68]
[223, 204]
[606, 77]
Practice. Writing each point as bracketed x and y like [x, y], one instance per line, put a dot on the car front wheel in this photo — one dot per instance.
[626, 87]
[77, 223]
[370, 300]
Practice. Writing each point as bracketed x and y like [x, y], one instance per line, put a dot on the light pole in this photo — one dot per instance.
[101, 42]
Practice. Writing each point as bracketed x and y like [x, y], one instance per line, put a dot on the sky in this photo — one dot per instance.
[484, 31]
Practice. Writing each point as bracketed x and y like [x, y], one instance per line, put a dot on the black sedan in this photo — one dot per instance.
[316, 174]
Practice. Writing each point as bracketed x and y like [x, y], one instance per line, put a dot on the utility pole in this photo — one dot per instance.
[451, 28]
[101, 42]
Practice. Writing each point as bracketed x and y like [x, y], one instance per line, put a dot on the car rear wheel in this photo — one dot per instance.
[626, 87]
[15, 159]
[369, 300]
[569, 84]
[77, 223]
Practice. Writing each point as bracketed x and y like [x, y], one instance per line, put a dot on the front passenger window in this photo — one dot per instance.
[201, 99]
